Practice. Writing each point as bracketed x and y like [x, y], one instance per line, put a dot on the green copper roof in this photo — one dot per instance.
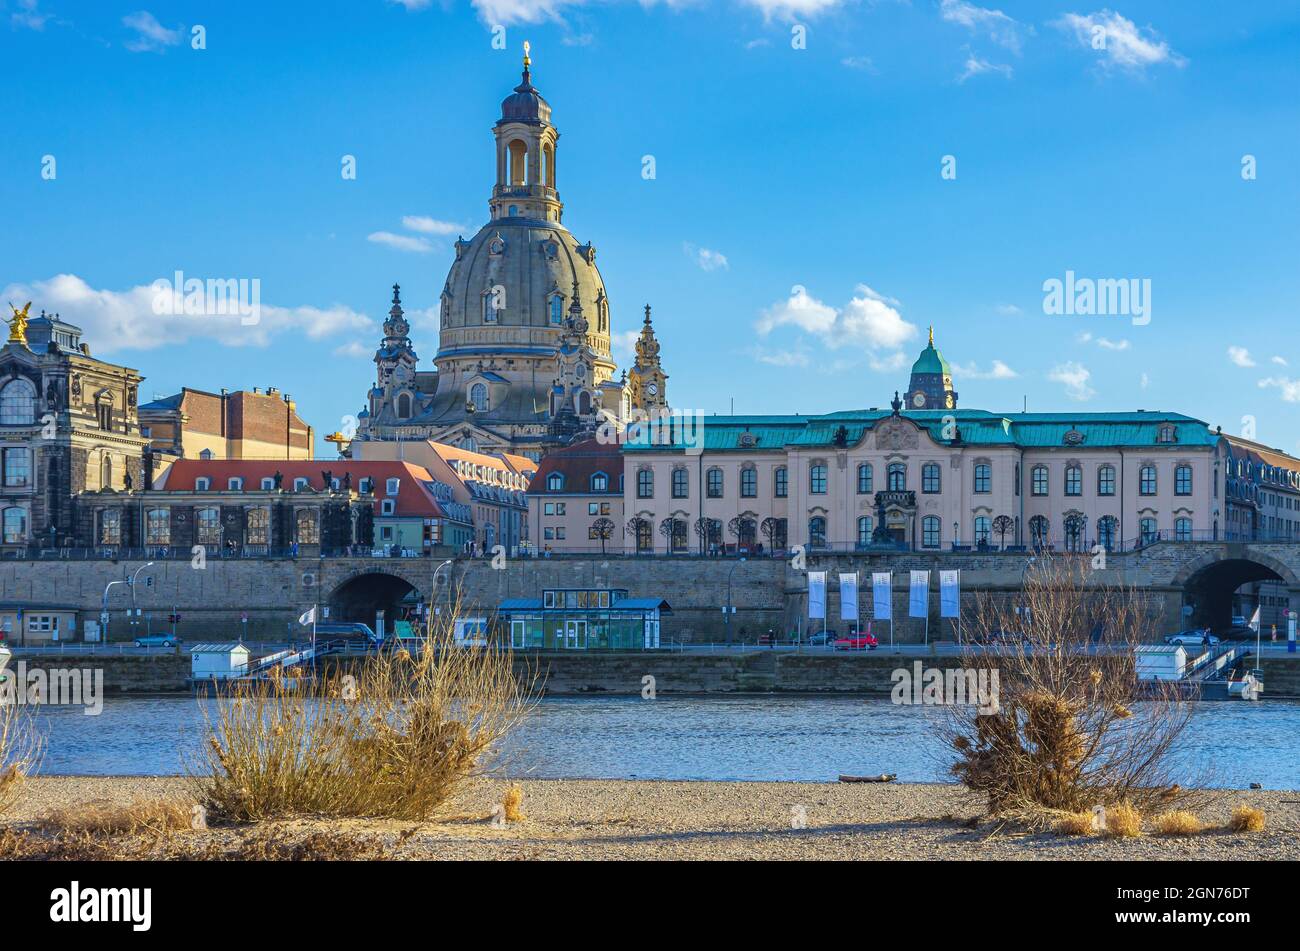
[931, 361]
[976, 427]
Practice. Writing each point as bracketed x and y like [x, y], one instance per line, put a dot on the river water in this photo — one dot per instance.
[718, 738]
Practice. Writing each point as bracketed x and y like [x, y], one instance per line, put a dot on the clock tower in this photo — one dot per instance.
[647, 382]
[930, 386]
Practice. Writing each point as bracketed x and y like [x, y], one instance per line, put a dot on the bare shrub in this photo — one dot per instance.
[20, 749]
[1177, 822]
[513, 803]
[1246, 819]
[392, 738]
[101, 817]
[1123, 821]
[1076, 823]
[1074, 728]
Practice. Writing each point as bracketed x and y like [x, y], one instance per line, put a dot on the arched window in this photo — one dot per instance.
[748, 482]
[781, 482]
[1147, 480]
[681, 483]
[897, 477]
[865, 479]
[1147, 530]
[713, 483]
[1076, 525]
[1039, 530]
[864, 531]
[1038, 480]
[207, 526]
[1183, 480]
[1074, 479]
[931, 531]
[644, 540]
[404, 406]
[600, 482]
[983, 478]
[1106, 480]
[17, 466]
[106, 471]
[645, 484]
[17, 403]
[548, 165]
[15, 525]
[1183, 529]
[1107, 532]
[931, 479]
[158, 527]
[817, 479]
[308, 527]
[489, 307]
[258, 527]
[478, 395]
[983, 529]
[555, 482]
[677, 535]
[817, 532]
[518, 155]
[557, 309]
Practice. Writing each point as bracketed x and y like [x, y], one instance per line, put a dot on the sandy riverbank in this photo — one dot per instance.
[608, 819]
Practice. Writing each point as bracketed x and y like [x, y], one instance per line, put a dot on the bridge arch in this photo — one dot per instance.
[363, 595]
[1210, 581]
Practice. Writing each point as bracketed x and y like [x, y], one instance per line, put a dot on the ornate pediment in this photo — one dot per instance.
[1073, 437]
[896, 433]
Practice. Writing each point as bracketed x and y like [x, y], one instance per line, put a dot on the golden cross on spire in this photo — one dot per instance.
[527, 61]
[932, 335]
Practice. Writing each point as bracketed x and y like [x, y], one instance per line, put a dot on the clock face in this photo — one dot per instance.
[653, 389]
[918, 400]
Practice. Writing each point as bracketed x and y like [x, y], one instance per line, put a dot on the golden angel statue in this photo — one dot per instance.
[18, 325]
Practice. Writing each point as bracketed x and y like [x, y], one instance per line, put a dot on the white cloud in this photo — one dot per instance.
[1007, 310]
[402, 242]
[998, 371]
[412, 4]
[623, 344]
[1145, 381]
[1120, 42]
[1240, 356]
[1280, 361]
[30, 16]
[1289, 389]
[1112, 344]
[1074, 377]
[869, 321]
[151, 36]
[707, 259]
[507, 12]
[975, 67]
[792, 9]
[126, 320]
[426, 225]
[863, 63]
[782, 358]
[757, 44]
[354, 348]
[999, 27]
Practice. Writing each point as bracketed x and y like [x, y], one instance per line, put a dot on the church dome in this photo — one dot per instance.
[931, 360]
[525, 104]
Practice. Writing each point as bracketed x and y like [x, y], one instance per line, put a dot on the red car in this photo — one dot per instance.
[861, 641]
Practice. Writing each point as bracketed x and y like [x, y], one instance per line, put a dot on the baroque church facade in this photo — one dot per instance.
[524, 362]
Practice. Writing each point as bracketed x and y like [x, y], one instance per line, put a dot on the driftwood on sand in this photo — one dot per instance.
[882, 778]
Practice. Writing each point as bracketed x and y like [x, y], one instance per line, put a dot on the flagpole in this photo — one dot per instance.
[891, 608]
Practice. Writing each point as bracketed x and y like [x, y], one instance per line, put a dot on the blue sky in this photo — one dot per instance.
[796, 240]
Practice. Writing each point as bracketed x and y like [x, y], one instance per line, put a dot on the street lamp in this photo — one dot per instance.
[134, 610]
[434, 594]
[729, 607]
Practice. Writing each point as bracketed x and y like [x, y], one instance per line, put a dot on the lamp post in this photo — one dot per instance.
[729, 607]
[134, 577]
[434, 594]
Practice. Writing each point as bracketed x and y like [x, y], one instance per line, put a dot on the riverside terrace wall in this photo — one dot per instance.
[624, 673]
[768, 593]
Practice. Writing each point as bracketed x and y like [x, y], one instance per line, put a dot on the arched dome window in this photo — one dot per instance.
[17, 403]
[404, 406]
[478, 395]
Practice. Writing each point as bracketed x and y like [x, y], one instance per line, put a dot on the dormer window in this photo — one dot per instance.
[600, 482]
[299, 484]
[391, 487]
[268, 483]
[555, 482]
[202, 484]
[387, 507]
[235, 484]
[1166, 433]
[478, 395]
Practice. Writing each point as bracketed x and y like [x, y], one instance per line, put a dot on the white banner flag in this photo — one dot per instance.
[849, 596]
[308, 617]
[919, 602]
[950, 593]
[817, 594]
[880, 591]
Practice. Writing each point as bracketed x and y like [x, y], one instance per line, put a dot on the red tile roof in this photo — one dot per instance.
[578, 463]
[413, 497]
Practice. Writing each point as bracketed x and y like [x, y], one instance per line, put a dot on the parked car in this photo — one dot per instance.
[821, 638]
[860, 641]
[157, 640]
[358, 636]
[1194, 638]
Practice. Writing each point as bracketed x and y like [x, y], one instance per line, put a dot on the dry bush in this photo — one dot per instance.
[1246, 819]
[20, 746]
[1066, 735]
[101, 817]
[260, 844]
[1177, 822]
[1076, 823]
[513, 803]
[394, 738]
[1123, 821]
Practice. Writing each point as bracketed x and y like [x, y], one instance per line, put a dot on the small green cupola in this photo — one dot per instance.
[930, 386]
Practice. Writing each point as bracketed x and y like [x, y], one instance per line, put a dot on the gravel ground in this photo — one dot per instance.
[615, 819]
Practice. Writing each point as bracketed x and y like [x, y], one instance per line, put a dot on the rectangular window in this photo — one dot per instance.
[1183, 482]
[983, 479]
[1073, 480]
[1106, 480]
[817, 479]
[17, 467]
[748, 483]
[713, 483]
[593, 508]
[930, 478]
[259, 527]
[158, 527]
[1039, 480]
[781, 483]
